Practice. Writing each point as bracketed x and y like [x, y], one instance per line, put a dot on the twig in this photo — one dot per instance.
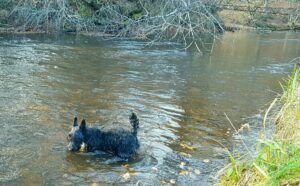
[248, 150]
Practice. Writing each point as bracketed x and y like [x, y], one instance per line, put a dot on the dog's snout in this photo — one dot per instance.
[69, 137]
[70, 147]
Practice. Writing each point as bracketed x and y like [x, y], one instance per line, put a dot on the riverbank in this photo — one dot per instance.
[277, 161]
[144, 19]
[279, 15]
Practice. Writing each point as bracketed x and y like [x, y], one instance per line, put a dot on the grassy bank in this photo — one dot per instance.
[278, 159]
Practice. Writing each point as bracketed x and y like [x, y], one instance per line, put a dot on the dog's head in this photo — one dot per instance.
[76, 136]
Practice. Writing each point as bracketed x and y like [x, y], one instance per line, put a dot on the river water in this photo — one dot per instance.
[179, 96]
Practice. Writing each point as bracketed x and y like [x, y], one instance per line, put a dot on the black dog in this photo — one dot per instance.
[120, 142]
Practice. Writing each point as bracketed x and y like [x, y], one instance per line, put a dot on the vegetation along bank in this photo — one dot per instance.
[185, 21]
[277, 161]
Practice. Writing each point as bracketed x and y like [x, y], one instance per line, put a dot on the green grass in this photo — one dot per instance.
[278, 160]
[290, 87]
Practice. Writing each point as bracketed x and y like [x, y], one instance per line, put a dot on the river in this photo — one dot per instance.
[179, 96]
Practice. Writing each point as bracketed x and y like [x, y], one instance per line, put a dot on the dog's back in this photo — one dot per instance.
[119, 141]
[122, 142]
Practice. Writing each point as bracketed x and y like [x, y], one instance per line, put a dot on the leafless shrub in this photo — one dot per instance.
[46, 15]
[181, 20]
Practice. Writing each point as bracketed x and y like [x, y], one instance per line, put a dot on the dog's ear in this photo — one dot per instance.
[82, 125]
[75, 124]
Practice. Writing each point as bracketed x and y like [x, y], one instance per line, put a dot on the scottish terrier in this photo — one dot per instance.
[119, 141]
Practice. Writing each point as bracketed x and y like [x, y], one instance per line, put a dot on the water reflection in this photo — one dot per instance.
[180, 98]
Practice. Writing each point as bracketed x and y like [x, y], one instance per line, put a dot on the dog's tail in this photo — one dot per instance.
[134, 121]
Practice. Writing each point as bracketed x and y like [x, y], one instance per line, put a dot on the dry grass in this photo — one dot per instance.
[288, 121]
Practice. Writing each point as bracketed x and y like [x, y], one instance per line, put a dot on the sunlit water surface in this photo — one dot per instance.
[179, 96]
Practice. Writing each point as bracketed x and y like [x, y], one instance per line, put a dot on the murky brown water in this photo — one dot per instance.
[180, 97]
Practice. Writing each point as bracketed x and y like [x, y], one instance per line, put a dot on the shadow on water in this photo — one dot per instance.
[180, 98]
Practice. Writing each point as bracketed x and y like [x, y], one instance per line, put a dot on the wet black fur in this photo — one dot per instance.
[120, 142]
